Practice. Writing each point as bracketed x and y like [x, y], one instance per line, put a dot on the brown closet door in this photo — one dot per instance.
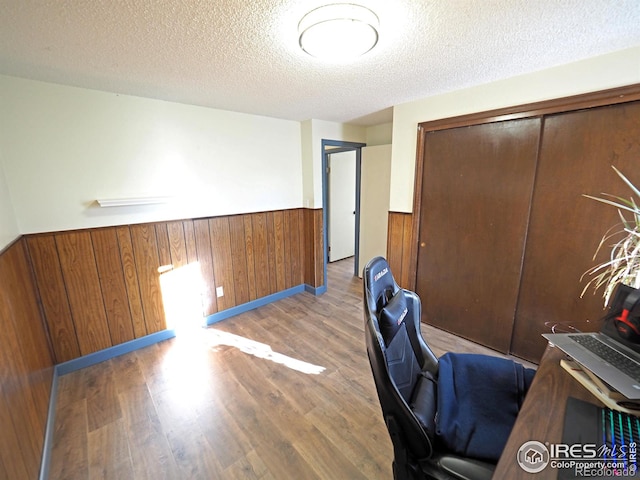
[576, 155]
[476, 192]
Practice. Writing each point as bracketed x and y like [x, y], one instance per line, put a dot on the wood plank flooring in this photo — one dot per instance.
[281, 392]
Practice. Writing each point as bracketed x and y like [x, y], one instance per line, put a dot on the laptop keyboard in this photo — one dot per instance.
[609, 355]
[618, 428]
[615, 435]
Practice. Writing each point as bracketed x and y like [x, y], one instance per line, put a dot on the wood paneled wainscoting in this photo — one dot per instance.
[64, 295]
[399, 236]
[102, 287]
[26, 368]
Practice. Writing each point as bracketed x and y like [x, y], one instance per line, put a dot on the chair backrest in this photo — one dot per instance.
[397, 353]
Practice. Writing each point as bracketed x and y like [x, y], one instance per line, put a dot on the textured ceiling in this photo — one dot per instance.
[242, 55]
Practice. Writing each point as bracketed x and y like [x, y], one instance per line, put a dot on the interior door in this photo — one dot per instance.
[342, 205]
[476, 192]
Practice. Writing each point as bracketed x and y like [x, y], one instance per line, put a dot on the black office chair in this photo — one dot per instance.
[405, 371]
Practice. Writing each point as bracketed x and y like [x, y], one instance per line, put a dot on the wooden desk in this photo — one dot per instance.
[541, 417]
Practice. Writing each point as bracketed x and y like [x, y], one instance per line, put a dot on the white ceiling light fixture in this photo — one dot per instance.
[338, 32]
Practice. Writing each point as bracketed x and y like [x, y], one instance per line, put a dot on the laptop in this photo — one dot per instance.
[609, 356]
[614, 363]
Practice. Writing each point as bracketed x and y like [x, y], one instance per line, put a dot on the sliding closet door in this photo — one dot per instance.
[576, 155]
[476, 193]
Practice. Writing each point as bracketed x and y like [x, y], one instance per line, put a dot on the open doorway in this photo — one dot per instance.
[341, 205]
[341, 200]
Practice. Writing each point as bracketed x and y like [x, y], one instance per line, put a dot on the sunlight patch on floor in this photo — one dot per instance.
[182, 291]
[185, 375]
[217, 338]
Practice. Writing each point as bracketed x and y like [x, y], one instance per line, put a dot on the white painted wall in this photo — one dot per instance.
[64, 147]
[379, 134]
[374, 203]
[8, 224]
[598, 73]
[313, 132]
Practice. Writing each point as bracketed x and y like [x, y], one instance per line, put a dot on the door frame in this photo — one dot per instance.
[339, 146]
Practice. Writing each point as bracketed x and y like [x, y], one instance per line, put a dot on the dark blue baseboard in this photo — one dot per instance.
[112, 352]
[315, 290]
[245, 307]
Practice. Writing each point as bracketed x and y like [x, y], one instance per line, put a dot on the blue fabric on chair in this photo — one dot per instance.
[479, 397]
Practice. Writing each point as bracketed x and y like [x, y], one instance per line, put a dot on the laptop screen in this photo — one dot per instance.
[609, 328]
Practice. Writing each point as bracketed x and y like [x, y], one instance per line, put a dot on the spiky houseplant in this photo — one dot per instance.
[623, 265]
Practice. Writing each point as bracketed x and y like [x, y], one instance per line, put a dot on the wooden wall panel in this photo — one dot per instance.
[26, 367]
[145, 250]
[309, 250]
[131, 281]
[286, 235]
[177, 244]
[164, 249]
[318, 241]
[239, 259]
[101, 287]
[399, 237]
[20, 405]
[313, 248]
[190, 241]
[80, 274]
[295, 247]
[203, 249]
[53, 295]
[112, 285]
[293, 250]
[17, 457]
[222, 264]
[261, 262]
[271, 248]
[250, 256]
[408, 275]
[279, 255]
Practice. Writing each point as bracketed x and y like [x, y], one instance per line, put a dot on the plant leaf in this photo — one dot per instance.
[626, 180]
[623, 265]
[610, 202]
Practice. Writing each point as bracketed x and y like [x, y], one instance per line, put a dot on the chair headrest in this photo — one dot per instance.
[391, 317]
[379, 283]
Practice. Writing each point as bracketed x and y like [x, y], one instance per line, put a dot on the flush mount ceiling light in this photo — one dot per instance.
[338, 32]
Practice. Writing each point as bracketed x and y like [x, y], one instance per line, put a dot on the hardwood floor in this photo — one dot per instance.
[281, 392]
